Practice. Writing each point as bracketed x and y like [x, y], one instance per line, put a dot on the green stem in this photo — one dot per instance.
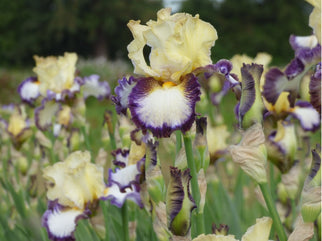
[87, 142]
[194, 182]
[125, 221]
[106, 220]
[52, 139]
[272, 209]
[178, 142]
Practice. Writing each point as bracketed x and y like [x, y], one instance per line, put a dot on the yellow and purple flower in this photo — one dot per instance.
[163, 98]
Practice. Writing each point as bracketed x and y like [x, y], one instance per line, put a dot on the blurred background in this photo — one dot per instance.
[96, 29]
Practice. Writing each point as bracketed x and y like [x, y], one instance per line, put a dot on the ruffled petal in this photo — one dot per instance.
[118, 196]
[76, 181]
[45, 113]
[164, 108]
[93, 87]
[307, 115]
[55, 74]
[122, 92]
[179, 44]
[60, 222]
[29, 89]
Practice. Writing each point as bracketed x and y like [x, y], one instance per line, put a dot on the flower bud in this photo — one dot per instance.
[179, 201]
[251, 153]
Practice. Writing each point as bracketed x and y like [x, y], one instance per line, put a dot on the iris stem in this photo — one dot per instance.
[272, 209]
[106, 220]
[125, 221]
[87, 143]
[51, 150]
[194, 182]
[178, 142]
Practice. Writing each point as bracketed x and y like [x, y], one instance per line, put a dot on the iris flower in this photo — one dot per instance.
[18, 126]
[163, 96]
[55, 84]
[124, 182]
[74, 186]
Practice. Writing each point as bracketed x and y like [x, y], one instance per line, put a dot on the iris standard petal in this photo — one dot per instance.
[55, 74]
[179, 44]
[29, 89]
[163, 108]
[76, 181]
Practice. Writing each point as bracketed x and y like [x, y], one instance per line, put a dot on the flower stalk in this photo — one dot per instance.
[199, 219]
[125, 221]
[272, 209]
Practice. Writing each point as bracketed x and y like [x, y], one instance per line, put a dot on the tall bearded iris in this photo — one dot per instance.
[163, 98]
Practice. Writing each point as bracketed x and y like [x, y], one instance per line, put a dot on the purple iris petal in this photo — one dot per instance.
[164, 110]
[118, 197]
[307, 115]
[121, 157]
[60, 222]
[93, 87]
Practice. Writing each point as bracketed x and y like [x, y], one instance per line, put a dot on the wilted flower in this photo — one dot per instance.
[73, 186]
[216, 139]
[179, 201]
[251, 153]
[164, 98]
[259, 232]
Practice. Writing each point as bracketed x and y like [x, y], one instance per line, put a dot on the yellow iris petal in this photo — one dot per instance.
[55, 74]
[179, 44]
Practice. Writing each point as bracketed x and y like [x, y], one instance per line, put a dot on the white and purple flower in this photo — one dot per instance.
[163, 98]
[55, 84]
